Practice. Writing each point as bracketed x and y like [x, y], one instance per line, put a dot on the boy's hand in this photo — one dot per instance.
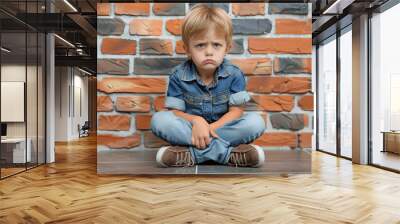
[213, 127]
[200, 133]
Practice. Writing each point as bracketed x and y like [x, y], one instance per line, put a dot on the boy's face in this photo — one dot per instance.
[207, 50]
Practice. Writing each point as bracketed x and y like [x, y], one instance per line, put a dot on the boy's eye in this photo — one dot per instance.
[200, 45]
[217, 45]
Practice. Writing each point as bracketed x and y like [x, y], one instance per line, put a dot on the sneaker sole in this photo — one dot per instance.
[261, 155]
[159, 155]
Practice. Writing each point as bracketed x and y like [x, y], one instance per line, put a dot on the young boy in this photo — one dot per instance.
[205, 98]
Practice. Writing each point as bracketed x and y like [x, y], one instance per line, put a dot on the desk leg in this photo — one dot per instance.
[384, 142]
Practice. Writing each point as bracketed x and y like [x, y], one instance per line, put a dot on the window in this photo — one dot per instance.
[385, 89]
[327, 96]
[346, 93]
[22, 77]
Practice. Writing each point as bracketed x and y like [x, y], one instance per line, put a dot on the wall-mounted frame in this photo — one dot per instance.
[12, 101]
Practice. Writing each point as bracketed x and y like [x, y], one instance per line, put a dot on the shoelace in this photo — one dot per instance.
[239, 159]
[184, 158]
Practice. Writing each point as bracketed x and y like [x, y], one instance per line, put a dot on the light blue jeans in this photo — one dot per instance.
[178, 131]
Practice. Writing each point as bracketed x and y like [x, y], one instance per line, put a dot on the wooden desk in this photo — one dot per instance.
[391, 141]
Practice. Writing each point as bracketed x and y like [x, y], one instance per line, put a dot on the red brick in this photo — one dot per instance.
[159, 103]
[292, 26]
[254, 66]
[118, 46]
[306, 120]
[132, 9]
[104, 103]
[119, 142]
[179, 47]
[274, 102]
[132, 85]
[259, 45]
[277, 139]
[248, 9]
[174, 26]
[143, 121]
[103, 9]
[306, 103]
[114, 122]
[146, 27]
[133, 103]
[305, 140]
[262, 84]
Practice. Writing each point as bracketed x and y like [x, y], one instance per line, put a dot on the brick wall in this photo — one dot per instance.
[138, 44]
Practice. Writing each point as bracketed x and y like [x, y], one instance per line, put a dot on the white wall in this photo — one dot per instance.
[71, 94]
[61, 103]
[80, 110]
[12, 73]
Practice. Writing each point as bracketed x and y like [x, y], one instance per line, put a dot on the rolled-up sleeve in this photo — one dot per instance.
[239, 96]
[174, 99]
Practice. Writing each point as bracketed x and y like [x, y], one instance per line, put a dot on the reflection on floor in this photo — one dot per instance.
[387, 159]
[144, 162]
[8, 169]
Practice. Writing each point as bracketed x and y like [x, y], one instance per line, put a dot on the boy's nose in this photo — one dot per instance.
[209, 50]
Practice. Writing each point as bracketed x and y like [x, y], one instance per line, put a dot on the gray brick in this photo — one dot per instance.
[290, 65]
[174, 9]
[113, 66]
[237, 47]
[224, 6]
[107, 26]
[251, 26]
[155, 66]
[153, 46]
[292, 122]
[288, 8]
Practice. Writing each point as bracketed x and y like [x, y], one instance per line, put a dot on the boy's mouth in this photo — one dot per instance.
[209, 61]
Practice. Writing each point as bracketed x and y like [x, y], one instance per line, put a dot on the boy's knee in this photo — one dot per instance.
[255, 123]
[158, 120]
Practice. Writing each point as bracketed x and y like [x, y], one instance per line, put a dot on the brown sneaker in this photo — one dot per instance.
[176, 156]
[246, 155]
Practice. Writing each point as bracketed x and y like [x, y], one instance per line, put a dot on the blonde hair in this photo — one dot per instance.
[201, 17]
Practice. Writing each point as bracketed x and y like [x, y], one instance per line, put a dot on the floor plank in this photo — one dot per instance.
[70, 191]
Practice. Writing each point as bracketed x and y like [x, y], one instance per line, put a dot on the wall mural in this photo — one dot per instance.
[174, 98]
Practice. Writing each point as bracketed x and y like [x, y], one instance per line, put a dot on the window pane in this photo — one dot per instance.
[31, 97]
[385, 89]
[327, 97]
[346, 94]
[14, 153]
[41, 98]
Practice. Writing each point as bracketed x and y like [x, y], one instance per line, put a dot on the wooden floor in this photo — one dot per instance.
[10, 171]
[70, 191]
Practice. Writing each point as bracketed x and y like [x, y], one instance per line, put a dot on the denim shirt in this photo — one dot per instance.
[187, 92]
